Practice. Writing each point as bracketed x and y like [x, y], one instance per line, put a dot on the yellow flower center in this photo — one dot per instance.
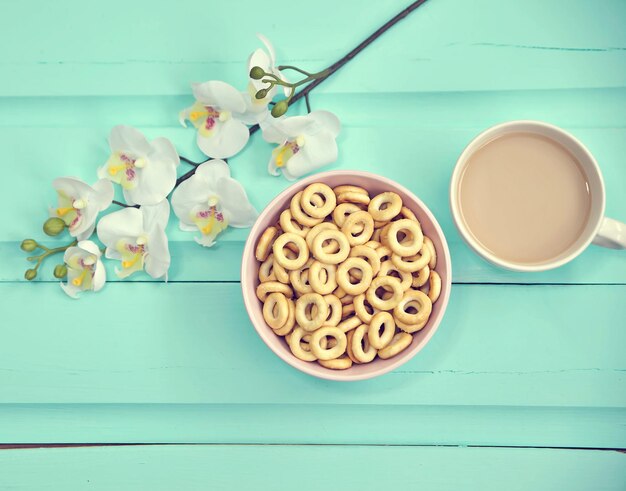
[79, 279]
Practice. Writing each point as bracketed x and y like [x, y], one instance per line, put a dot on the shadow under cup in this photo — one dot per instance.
[553, 136]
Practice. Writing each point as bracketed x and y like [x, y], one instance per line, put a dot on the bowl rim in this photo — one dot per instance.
[343, 375]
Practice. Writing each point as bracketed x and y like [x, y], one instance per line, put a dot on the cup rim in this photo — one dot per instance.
[345, 376]
[465, 233]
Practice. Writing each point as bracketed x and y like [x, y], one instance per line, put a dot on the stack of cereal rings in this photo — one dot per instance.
[346, 278]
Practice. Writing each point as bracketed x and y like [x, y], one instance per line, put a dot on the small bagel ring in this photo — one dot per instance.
[343, 277]
[384, 320]
[414, 263]
[406, 248]
[421, 278]
[432, 264]
[361, 309]
[264, 289]
[266, 269]
[358, 227]
[317, 319]
[387, 267]
[289, 224]
[361, 349]
[316, 230]
[291, 320]
[380, 214]
[294, 344]
[399, 343]
[319, 189]
[298, 214]
[342, 363]
[279, 254]
[328, 353]
[352, 197]
[349, 189]
[388, 283]
[300, 278]
[327, 257]
[434, 286]
[334, 310]
[411, 297]
[275, 310]
[264, 245]
[321, 285]
[343, 211]
[349, 324]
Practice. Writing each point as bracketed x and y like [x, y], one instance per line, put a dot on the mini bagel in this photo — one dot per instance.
[266, 269]
[343, 278]
[264, 289]
[275, 310]
[360, 346]
[264, 245]
[385, 321]
[358, 227]
[325, 192]
[342, 363]
[289, 224]
[316, 230]
[319, 311]
[298, 214]
[399, 343]
[349, 189]
[385, 206]
[434, 286]
[328, 353]
[414, 239]
[388, 283]
[343, 211]
[300, 278]
[432, 264]
[334, 310]
[327, 257]
[349, 324]
[294, 340]
[352, 197]
[322, 277]
[280, 256]
[387, 268]
[421, 277]
[414, 263]
[417, 300]
[287, 327]
[363, 309]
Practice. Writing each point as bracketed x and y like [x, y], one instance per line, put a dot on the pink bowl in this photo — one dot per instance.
[374, 184]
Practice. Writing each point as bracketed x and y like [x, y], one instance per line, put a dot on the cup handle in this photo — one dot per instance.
[611, 234]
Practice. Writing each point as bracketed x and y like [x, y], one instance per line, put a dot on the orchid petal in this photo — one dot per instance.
[70, 289]
[271, 166]
[124, 223]
[99, 276]
[155, 215]
[205, 240]
[227, 140]
[154, 182]
[158, 259]
[103, 193]
[165, 150]
[236, 207]
[319, 150]
[129, 139]
[327, 120]
[90, 247]
[219, 94]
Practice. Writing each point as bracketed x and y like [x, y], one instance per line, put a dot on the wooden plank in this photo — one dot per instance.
[192, 343]
[310, 468]
[380, 424]
[363, 147]
[434, 49]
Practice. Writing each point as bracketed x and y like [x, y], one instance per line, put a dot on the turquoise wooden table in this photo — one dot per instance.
[524, 384]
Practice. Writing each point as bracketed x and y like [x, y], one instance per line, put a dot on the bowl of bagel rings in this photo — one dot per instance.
[346, 275]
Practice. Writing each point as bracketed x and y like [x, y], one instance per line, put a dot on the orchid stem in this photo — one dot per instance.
[190, 162]
[308, 103]
[317, 78]
[49, 252]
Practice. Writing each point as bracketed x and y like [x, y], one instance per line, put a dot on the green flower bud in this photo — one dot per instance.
[30, 274]
[53, 226]
[60, 271]
[280, 108]
[261, 94]
[257, 73]
[28, 245]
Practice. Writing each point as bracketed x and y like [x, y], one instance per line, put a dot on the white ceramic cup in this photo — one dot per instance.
[599, 230]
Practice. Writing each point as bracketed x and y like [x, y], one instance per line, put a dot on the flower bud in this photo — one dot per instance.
[280, 108]
[261, 94]
[30, 274]
[53, 226]
[60, 271]
[257, 73]
[28, 245]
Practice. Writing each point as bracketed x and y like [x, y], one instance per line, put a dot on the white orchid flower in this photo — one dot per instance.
[145, 170]
[85, 270]
[211, 200]
[136, 237]
[217, 116]
[79, 204]
[256, 109]
[305, 143]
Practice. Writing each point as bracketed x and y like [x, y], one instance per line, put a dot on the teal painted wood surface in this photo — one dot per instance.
[310, 468]
[534, 360]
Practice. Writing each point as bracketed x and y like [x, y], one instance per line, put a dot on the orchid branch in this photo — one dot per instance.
[30, 245]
